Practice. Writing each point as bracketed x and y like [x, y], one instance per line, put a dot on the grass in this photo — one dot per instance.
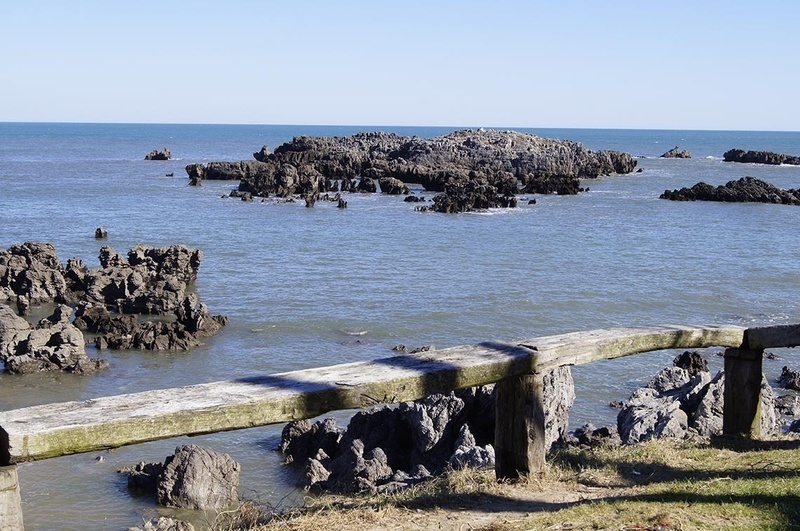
[658, 486]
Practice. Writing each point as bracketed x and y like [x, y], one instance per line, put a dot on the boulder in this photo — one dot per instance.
[198, 478]
[676, 153]
[392, 186]
[744, 190]
[100, 233]
[789, 378]
[156, 154]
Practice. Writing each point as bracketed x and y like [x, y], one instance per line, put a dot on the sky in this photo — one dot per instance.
[560, 63]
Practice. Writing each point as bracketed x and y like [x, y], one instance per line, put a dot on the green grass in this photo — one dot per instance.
[723, 484]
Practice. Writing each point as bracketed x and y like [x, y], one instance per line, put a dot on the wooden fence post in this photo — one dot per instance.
[519, 427]
[741, 414]
[10, 500]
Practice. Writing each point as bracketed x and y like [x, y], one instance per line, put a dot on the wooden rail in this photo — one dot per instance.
[53, 430]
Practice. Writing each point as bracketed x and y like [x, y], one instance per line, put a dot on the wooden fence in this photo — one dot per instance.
[52, 430]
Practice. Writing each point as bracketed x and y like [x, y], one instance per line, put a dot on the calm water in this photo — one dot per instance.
[309, 287]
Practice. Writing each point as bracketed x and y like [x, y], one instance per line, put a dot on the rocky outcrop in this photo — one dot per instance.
[760, 157]
[198, 478]
[192, 478]
[34, 271]
[789, 378]
[156, 154]
[680, 403]
[385, 448]
[53, 344]
[744, 190]
[676, 153]
[500, 162]
[392, 186]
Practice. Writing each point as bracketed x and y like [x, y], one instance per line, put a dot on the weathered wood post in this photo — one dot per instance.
[519, 427]
[741, 413]
[10, 499]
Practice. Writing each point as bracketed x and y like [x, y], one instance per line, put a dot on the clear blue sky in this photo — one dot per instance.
[560, 63]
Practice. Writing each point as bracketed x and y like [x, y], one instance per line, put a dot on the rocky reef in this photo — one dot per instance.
[744, 190]
[677, 153]
[473, 169]
[149, 281]
[760, 157]
[156, 154]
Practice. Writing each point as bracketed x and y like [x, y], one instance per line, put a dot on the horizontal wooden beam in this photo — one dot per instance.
[583, 347]
[51, 430]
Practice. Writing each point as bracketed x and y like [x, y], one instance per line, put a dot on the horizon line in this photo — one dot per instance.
[455, 127]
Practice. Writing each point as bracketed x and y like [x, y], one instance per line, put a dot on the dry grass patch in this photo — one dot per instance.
[654, 486]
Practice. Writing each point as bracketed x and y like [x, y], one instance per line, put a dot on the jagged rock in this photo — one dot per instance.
[588, 435]
[32, 270]
[366, 185]
[263, 154]
[760, 157]
[676, 153]
[100, 233]
[558, 392]
[789, 378]
[301, 440]
[744, 190]
[54, 344]
[357, 470]
[198, 478]
[788, 405]
[392, 186]
[692, 361]
[163, 523]
[706, 420]
[143, 478]
[468, 454]
[163, 154]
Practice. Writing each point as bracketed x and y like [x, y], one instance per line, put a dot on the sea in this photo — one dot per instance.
[308, 287]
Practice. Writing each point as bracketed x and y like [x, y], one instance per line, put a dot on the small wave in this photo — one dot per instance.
[356, 333]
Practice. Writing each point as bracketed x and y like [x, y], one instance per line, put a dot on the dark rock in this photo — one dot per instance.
[760, 157]
[32, 270]
[196, 172]
[143, 478]
[468, 454]
[588, 435]
[262, 155]
[413, 199]
[198, 478]
[301, 440]
[100, 233]
[156, 154]
[676, 153]
[788, 405]
[367, 185]
[746, 189]
[794, 427]
[392, 186]
[692, 361]
[789, 378]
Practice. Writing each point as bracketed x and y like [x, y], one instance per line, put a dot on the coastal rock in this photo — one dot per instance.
[143, 478]
[384, 449]
[156, 154]
[196, 173]
[198, 478]
[34, 271]
[746, 189]
[262, 155]
[54, 344]
[760, 157]
[789, 378]
[100, 233]
[392, 186]
[506, 161]
[588, 435]
[676, 153]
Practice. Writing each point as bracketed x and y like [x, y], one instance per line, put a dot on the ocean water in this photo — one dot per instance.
[311, 287]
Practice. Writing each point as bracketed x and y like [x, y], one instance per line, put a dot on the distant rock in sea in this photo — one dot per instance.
[744, 190]
[163, 154]
[760, 157]
[473, 169]
[676, 153]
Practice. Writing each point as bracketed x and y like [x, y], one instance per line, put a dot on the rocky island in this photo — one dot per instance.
[760, 157]
[744, 190]
[470, 169]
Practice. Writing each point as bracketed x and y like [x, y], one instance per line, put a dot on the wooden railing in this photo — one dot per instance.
[52, 430]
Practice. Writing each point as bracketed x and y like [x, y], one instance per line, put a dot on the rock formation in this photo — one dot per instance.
[680, 402]
[746, 189]
[676, 153]
[475, 166]
[385, 448]
[760, 157]
[192, 478]
[163, 154]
